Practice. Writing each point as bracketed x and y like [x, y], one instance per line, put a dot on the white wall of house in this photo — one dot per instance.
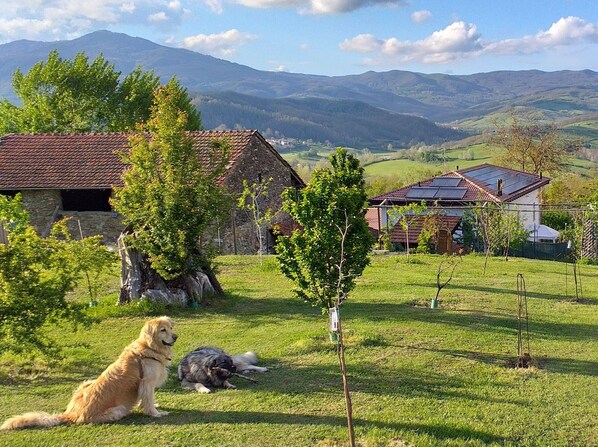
[528, 209]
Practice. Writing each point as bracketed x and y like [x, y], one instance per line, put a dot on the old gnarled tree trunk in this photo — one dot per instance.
[139, 280]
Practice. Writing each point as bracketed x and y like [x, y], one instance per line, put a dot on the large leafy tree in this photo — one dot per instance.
[170, 197]
[78, 95]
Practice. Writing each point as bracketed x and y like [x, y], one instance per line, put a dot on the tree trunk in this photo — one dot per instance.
[139, 281]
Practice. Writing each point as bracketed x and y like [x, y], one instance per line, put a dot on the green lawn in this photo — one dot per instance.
[419, 376]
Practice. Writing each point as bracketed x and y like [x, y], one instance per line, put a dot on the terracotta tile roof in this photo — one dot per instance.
[89, 160]
[371, 216]
[479, 183]
[416, 225]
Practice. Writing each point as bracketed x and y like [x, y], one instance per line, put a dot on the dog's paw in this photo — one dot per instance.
[158, 414]
[203, 390]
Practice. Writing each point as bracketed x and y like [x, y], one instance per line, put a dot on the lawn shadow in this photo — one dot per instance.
[505, 324]
[187, 417]
[549, 364]
[513, 292]
[366, 378]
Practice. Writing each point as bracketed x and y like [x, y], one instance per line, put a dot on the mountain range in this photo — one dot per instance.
[370, 109]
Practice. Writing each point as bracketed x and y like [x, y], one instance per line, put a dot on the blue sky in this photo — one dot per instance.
[336, 37]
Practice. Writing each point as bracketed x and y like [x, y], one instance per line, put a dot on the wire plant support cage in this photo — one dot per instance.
[524, 358]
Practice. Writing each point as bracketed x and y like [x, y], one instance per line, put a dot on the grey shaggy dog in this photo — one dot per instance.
[211, 366]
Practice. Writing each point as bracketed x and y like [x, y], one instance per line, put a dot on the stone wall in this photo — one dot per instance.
[42, 205]
[93, 223]
[45, 208]
[256, 161]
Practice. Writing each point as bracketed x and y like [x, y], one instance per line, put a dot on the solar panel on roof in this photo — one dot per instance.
[450, 193]
[421, 192]
[446, 181]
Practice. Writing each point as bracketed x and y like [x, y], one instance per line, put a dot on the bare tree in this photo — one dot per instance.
[532, 147]
[448, 264]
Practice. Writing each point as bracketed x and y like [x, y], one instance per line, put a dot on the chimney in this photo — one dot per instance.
[499, 187]
[540, 174]
[419, 183]
[457, 167]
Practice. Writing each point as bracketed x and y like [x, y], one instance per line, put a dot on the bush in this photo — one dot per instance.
[35, 276]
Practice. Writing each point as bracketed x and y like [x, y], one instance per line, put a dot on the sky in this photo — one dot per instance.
[336, 37]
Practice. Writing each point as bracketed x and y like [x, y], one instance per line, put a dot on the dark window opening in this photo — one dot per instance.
[8, 192]
[86, 199]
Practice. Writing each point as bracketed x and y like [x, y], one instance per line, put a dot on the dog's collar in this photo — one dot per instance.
[154, 358]
[157, 352]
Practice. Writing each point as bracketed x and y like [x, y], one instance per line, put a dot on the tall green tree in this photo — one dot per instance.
[170, 197]
[62, 95]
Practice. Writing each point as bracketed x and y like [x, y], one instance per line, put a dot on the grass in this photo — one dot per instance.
[419, 376]
[482, 153]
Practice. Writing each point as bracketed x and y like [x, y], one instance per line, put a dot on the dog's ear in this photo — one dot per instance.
[149, 332]
[167, 321]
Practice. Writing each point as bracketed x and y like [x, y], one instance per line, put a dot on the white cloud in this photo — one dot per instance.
[282, 69]
[363, 43]
[318, 7]
[158, 17]
[421, 16]
[214, 5]
[461, 40]
[223, 44]
[60, 19]
[128, 7]
[441, 46]
[566, 31]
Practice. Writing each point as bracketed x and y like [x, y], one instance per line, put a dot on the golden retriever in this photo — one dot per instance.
[130, 380]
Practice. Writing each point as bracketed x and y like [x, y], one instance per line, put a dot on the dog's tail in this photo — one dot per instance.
[249, 357]
[35, 419]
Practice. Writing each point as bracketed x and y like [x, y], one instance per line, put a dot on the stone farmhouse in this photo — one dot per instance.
[455, 192]
[73, 175]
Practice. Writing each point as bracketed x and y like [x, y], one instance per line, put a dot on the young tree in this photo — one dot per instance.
[170, 200]
[330, 248]
[252, 199]
[310, 256]
[61, 95]
[498, 228]
[406, 215]
[428, 235]
[531, 147]
[448, 264]
[35, 276]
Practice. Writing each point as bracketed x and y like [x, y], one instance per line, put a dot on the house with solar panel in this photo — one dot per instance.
[73, 175]
[452, 194]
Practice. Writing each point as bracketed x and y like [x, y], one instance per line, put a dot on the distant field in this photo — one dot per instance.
[481, 154]
[588, 130]
[461, 156]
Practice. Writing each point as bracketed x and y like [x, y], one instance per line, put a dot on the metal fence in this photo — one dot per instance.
[543, 250]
